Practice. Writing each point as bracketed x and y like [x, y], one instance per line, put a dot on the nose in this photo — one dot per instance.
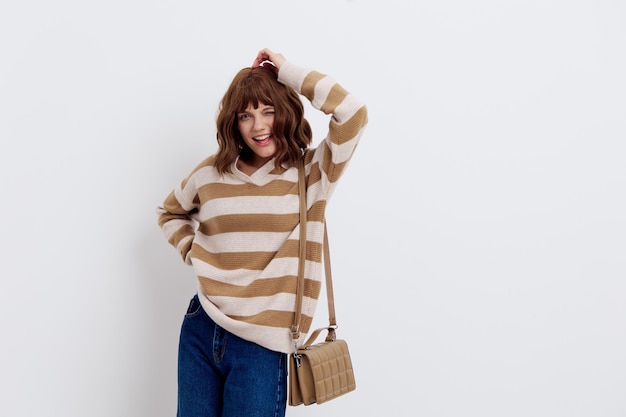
[259, 123]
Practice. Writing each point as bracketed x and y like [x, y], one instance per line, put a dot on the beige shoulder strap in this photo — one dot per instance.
[295, 328]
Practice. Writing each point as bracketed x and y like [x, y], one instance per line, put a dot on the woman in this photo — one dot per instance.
[235, 220]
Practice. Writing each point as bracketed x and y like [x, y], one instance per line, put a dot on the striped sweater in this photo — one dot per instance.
[240, 232]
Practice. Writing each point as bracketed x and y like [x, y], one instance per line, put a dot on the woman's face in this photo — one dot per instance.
[255, 126]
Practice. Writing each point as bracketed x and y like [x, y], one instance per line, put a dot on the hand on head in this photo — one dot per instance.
[268, 55]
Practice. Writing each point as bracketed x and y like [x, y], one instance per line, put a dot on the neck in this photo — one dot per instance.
[249, 165]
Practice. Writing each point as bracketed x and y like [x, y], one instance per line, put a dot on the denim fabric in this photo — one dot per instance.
[222, 375]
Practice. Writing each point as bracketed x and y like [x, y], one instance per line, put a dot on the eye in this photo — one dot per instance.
[243, 116]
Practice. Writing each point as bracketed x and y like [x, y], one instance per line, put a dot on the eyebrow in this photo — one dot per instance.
[261, 106]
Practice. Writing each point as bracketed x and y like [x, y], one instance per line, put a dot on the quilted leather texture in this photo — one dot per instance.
[325, 373]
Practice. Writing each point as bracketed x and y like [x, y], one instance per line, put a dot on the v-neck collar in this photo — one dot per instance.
[258, 177]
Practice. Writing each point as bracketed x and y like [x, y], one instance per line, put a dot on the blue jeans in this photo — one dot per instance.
[222, 375]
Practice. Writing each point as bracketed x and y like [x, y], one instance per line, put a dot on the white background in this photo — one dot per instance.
[478, 237]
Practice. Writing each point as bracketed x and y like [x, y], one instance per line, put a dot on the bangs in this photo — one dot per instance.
[252, 90]
[252, 98]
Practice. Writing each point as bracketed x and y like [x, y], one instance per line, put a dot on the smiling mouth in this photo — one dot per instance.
[263, 139]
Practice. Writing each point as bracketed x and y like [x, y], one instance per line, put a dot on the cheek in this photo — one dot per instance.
[241, 127]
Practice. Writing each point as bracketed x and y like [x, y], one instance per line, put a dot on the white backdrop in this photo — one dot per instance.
[478, 237]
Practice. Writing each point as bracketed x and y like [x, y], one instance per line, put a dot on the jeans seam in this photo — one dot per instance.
[277, 410]
[195, 312]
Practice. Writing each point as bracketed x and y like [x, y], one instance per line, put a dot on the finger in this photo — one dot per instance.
[261, 56]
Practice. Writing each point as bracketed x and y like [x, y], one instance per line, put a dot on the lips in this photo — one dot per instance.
[263, 140]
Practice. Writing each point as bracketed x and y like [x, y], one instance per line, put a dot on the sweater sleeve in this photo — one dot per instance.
[348, 120]
[176, 216]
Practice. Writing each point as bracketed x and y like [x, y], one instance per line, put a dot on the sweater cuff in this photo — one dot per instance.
[187, 258]
[292, 75]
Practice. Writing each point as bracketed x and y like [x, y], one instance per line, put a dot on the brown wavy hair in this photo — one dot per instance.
[251, 86]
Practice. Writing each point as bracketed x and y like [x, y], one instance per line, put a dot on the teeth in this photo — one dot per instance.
[259, 138]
